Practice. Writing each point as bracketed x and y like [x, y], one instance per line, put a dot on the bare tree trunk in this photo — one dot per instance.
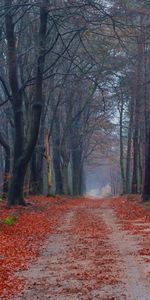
[13, 80]
[121, 150]
[56, 156]
[135, 163]
[7, 166]
[140, 168]
[6, 174]
[37, 161]
[76, 171]
[57, 168]
[49, 162]
[64, 157]
[138, 112]
[128, 164]
[146, 186]
[33, 177]
[65, 180]
[22, 157]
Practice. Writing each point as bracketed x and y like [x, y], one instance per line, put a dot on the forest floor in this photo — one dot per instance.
[69, 249]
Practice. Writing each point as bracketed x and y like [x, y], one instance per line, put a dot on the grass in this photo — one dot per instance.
[10, 220]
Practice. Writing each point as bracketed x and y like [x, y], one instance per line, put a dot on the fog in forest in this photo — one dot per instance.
[74, 129]
[98, 181]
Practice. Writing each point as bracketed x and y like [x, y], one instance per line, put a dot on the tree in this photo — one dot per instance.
[23, 153]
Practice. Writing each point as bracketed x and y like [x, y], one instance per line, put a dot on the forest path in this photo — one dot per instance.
[89, 257]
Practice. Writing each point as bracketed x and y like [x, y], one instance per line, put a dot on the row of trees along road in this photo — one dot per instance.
[74, 83]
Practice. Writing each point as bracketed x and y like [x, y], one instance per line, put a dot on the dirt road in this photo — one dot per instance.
[89, 257]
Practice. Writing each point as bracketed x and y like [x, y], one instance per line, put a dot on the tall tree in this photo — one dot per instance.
[22, 151]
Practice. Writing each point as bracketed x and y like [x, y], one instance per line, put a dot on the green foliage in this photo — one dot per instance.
[10, 220]
[52, 195]
[1, 198]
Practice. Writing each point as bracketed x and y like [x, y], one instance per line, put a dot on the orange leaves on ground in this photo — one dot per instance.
[145, 251]
[135, 219]
[94, 257]
[19, 243]
[128, 210]
[91, 257]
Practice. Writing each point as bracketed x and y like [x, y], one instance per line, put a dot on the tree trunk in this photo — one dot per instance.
[57, 171]
[7, 166]
[22, 157]
[33, 177]
[121, 150]
[56, 155]
[65, 180]
[49, 162]
[64, 160]
[135, 163]
[146, 186]
[13, 80]
[128, 164]
[137, 119]
[140, 169]
[16, 186]
[76, 172]
[6, 175]
[15, 196]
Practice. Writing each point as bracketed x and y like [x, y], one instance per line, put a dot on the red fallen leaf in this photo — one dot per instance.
[20, 242]
[135, 219]
[90, 242]
[145, 251]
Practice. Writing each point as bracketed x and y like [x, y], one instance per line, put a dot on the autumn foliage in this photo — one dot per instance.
[89, 241]
[21, 242]
[135, 219]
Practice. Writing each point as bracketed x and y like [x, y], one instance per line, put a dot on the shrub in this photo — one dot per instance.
[10, 220]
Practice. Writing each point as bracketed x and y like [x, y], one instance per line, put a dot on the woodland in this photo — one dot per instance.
[74, 89]
[74, 110]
